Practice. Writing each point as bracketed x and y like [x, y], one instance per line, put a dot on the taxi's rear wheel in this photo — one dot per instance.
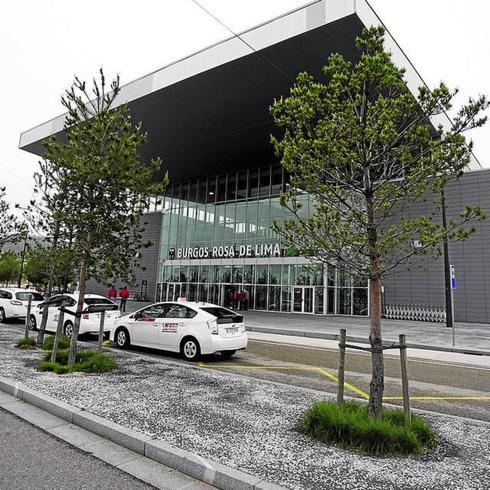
[122, 338]
[32, 323]
[3, 318]
[68, 329]
[190, 349]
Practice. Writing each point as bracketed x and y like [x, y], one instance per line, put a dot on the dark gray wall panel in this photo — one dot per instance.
[148, 262]
[425, 284]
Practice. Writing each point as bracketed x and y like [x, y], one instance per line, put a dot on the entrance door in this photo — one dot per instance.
[303, 299]
[173, 291]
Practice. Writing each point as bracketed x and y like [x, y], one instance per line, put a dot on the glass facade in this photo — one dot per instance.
[217, 241]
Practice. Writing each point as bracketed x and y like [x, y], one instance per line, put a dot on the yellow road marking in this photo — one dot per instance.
[350, 386]
[106, 342]
[331, 376]
[322, 371]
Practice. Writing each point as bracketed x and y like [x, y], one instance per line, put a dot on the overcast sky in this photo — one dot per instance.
[44, 43]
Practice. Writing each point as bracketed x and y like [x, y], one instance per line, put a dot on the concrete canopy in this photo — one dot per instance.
[209, 113]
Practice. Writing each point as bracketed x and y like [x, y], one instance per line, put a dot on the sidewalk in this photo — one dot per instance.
[470, 337]
[247, 424]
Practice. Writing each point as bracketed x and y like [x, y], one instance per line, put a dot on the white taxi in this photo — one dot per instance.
[89, 323]
[13, 302]
[186, 327]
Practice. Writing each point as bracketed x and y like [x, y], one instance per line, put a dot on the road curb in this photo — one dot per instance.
[212, 472]
[359, 340]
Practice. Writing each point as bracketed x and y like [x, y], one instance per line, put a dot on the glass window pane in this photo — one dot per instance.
[203, 292]
[253, 186]
[242, 186]
[261, 274]
[274, 298]
[261, 297]
[286, 299]
[237, 274]
[317, 275]
[248, 274]
[303, 275]
[184, 273]
[319, 293]
[225, 271]
[275, 274]
[331, 301]
[193, 273]
[344, 301]
[265, 181]
[203, 274]
[360, 306]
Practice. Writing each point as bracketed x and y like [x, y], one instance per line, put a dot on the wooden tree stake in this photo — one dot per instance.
[341, 372]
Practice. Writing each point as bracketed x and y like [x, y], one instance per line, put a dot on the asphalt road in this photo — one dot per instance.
[31, 458]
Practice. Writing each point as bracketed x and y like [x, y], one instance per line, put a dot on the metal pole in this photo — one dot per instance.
[341, 371]
[452, 314]
[447, 273]
[404, 373]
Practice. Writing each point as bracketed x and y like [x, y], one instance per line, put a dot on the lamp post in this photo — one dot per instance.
[447, 271]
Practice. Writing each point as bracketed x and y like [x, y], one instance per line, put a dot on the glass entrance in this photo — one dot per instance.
[173, 291]
[303, 299]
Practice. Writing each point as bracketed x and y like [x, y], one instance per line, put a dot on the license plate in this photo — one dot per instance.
[232, 330]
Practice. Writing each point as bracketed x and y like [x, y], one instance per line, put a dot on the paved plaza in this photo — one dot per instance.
[468, 336]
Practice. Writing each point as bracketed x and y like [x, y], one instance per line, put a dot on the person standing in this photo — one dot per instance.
[112, 294]
[124, 294]
[242, 300]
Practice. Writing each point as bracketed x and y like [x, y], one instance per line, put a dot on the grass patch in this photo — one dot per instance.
[27, 343]
[88, 361]
[49, 342]
[351, 427]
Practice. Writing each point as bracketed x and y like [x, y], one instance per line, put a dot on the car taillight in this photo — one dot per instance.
[86, 316]
[16, 303]
[213, 327]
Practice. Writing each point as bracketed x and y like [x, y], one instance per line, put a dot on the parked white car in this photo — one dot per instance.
[186, 327]
[89, 322]
[13, 302]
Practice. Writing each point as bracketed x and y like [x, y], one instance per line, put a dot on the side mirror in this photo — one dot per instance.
[136, 315]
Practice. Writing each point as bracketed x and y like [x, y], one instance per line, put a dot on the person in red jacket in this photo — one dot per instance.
[124, 294]
[112, 294]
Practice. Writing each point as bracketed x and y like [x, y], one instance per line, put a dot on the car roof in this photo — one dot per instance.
[192, 304]
[20, 290]
[75, 295]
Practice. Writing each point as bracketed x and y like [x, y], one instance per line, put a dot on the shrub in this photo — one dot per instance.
[98, 363]
[88, 361]
[54, 366]
[26, 343]
[49, 342]
[352, 427]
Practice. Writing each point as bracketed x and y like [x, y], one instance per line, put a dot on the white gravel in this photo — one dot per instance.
[249, 424]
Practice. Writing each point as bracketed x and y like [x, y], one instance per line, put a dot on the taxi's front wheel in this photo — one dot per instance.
[122, 338]
[190, 349]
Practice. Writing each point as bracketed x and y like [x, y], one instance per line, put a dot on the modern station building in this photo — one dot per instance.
[207, 116]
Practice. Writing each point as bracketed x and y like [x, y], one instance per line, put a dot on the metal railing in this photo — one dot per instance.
[424, 313]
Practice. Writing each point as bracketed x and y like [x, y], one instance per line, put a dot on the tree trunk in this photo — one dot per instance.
[42, 327]
[82, 285]
[376, 387]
